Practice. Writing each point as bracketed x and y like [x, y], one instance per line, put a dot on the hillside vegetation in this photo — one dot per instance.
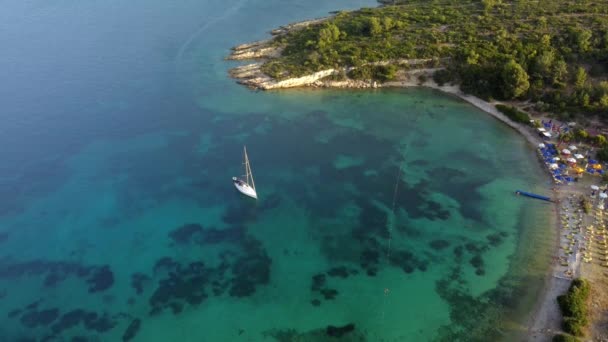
[553, 53]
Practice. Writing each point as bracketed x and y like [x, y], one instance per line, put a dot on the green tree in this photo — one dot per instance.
[489, 4]
[580, 78]
[388, 23]
[581, 135]
[543, 64]
[329, 34]
[582, 39]
[559, 73]
[603, 102]
[515, 80]
[374, 27]
[600, 140]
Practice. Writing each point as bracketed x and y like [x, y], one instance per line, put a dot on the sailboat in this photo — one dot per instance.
[244, 186]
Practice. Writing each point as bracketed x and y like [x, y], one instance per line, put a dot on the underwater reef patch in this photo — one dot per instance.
[138, 280]
[132, 330]
[33, 318]
[101, 280]
[98, 278]
[339, 331]
[243, 266]
[184, 234]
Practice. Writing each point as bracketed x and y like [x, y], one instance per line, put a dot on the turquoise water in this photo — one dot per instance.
[119, 221]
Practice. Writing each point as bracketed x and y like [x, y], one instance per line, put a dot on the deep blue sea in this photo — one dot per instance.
[383, 215]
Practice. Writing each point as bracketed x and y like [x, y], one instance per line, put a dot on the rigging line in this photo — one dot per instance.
[390, 237]
[389, 227]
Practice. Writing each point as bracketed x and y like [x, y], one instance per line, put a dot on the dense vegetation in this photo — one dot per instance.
[574, 307]
[514, 114]
[553, 53]
[564, 338]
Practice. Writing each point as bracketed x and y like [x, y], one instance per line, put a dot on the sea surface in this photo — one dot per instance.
[383, 215]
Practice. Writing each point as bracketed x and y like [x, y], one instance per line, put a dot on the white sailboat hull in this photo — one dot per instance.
[244, 188]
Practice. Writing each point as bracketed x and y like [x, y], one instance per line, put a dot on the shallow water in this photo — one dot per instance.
[118, 218]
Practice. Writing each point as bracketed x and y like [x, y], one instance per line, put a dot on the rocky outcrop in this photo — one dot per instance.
[296, 26]
[264, 49]
[252, 76]
[255, 50]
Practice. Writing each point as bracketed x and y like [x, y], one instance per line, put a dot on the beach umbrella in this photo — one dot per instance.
[541, 145]
[566, 151]
[555, 158]
[595, 187]
[540, 129]
[572, 147]
[571, 160]
[603, 195]
[579, 156]
[553, 166]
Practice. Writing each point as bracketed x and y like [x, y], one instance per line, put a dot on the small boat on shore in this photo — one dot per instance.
[245, 186]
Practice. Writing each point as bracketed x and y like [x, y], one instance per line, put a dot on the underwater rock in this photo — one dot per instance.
[250, 270]
[341, 272]
[372, 272]
[369, 259]
[33, 319]
[176, 308]
[318, 281]
[496, 238]
[101, 280]
[33, 305]
[329, 294]
[408, 262]
[315, 302]
[132, 330]
[339, 331]
[69, 320]
[101, 324]
[185, 233]
[164, 264]
[78, 339]
[439, 244]
[183, 285]
[476, 261]
[241, 287]
[458, 251]
[14, 313]
[213, 236]
[137, 282]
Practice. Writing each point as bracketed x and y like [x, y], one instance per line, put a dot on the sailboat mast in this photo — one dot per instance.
[248, 169]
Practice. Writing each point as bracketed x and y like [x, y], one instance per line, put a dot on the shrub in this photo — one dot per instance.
[514, 114]
[574, 303]
[564, 338]
[381, 73]
[586, 206]
[442, 77]
[602, 154]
